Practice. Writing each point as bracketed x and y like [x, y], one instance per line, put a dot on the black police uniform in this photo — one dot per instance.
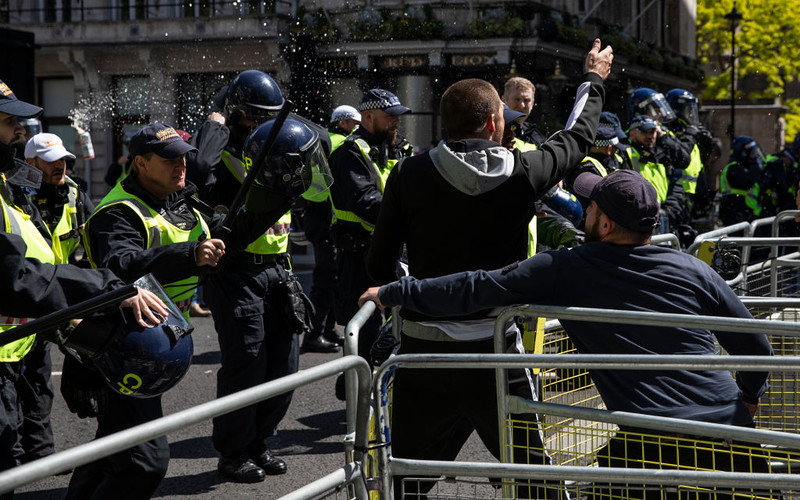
[354, 190]
[246, 303]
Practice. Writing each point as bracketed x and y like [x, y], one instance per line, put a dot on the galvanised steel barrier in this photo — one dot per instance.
[698, 480]
[350, 474]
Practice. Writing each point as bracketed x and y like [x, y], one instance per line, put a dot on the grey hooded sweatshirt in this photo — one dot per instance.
[466, 205]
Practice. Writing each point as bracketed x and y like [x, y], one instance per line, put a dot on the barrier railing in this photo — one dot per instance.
[583, 479]
[103, 447]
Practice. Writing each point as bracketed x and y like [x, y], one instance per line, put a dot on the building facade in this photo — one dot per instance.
[108, 66]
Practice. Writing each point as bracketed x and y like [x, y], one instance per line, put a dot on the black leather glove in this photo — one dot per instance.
[83, 388]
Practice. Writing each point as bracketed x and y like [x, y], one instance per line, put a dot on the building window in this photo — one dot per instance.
[131, 108]
[132, 9]
[195, 97]
[57, 96]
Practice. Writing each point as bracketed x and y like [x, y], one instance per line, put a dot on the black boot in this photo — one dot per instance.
[317, 344]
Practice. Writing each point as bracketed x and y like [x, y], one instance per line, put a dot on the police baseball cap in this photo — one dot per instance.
[383, 100]
[610, 120]
[605, 136]
[10, 105]
[160, 139]
[624, 196]
[48, 147]
[345, 112]
[509, 115]
[643, 122]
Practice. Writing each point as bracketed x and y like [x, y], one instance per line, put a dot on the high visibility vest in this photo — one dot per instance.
[597, 165]
[654, 172]
[532, 237]
[160, 232]
[66, 235]
[336, 140]
[276, 239]
[15, 221]
[523, 146]
[379, 175]
[751, 196]
[692, 172]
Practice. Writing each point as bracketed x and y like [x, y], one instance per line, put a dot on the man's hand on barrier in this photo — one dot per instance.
[599, 61]
[371, 294]
[148, 304]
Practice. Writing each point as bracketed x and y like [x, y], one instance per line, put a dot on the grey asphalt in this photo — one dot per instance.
[309, 438]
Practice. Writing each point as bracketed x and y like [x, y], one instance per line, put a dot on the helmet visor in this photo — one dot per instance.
[658, 107]
[316, 174]
[149, 283]
[689, 113]
[755, 155]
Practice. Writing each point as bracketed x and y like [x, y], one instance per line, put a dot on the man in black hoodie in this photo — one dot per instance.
[466, 205]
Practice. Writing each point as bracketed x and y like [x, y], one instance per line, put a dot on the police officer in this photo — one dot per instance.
[144, 225]
[600, 160]
[519, 94]
[317, 223]
[740, 182]
[360, 167]
[63, 208]
[29, 284]
[647, 102]
[246, 299]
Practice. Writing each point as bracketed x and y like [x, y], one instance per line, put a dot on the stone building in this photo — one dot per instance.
[110, 65]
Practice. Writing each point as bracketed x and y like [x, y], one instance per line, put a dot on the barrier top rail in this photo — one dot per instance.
[739, 325]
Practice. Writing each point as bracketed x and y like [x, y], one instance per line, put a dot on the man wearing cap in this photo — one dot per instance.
[64, 208]
[653, 161]
[626, 273]
[344, 119]
[145, 224]
[360, 167]
[30, 285]
[466, 205]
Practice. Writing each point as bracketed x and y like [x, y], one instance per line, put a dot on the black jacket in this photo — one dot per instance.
[466, 204]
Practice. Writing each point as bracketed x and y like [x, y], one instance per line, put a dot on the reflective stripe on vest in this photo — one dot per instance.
[275, 240]
[523, 146]
[379, 176]
[235, 165]
[15, 221]
[66, 234]
[690, 173]
[751, 196]
[159, 233]
[597, 165]
[655, 173]
[532, 237]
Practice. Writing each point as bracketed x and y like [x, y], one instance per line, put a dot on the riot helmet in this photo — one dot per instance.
[745, 150]
[684, 104]
[32, 126]
[144, 362]
[255, 94]
[645, 101]
[296, 165]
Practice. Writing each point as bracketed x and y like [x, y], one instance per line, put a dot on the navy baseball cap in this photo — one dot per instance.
[383, 100]
[610, 120]
[624, 196]
[160, 139]
[10, 105]
[605, 136]
[509, 115]
[643, 122]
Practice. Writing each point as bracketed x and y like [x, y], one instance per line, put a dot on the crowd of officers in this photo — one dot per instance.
[164, 213]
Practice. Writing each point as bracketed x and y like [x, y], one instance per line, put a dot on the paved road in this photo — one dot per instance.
[309, 438]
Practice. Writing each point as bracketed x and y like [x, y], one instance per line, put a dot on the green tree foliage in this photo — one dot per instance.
[767, 45]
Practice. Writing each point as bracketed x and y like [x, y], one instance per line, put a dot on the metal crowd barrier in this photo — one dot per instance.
[348, 476]
[575, 431]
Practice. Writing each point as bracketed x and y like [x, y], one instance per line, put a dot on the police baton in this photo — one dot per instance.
[57, 318]
[257, 166]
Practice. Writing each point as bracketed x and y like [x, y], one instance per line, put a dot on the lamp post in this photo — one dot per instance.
[733, 18]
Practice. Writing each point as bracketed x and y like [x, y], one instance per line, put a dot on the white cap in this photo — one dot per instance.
[345, 112]
[48, 147]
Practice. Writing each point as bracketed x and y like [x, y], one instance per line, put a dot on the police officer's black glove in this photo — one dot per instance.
[83, 388]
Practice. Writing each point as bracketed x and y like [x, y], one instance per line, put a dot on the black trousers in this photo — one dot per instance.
[133, 474]
[9, 418]
[351, 281]
[434, 411]
[317, 226]
[256, 347]
[35, 392]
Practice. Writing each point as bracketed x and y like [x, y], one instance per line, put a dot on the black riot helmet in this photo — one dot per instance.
[295, 165]
[134, 360]
[255, 94]
[645, 101]
[684, 104]
[745, 150]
